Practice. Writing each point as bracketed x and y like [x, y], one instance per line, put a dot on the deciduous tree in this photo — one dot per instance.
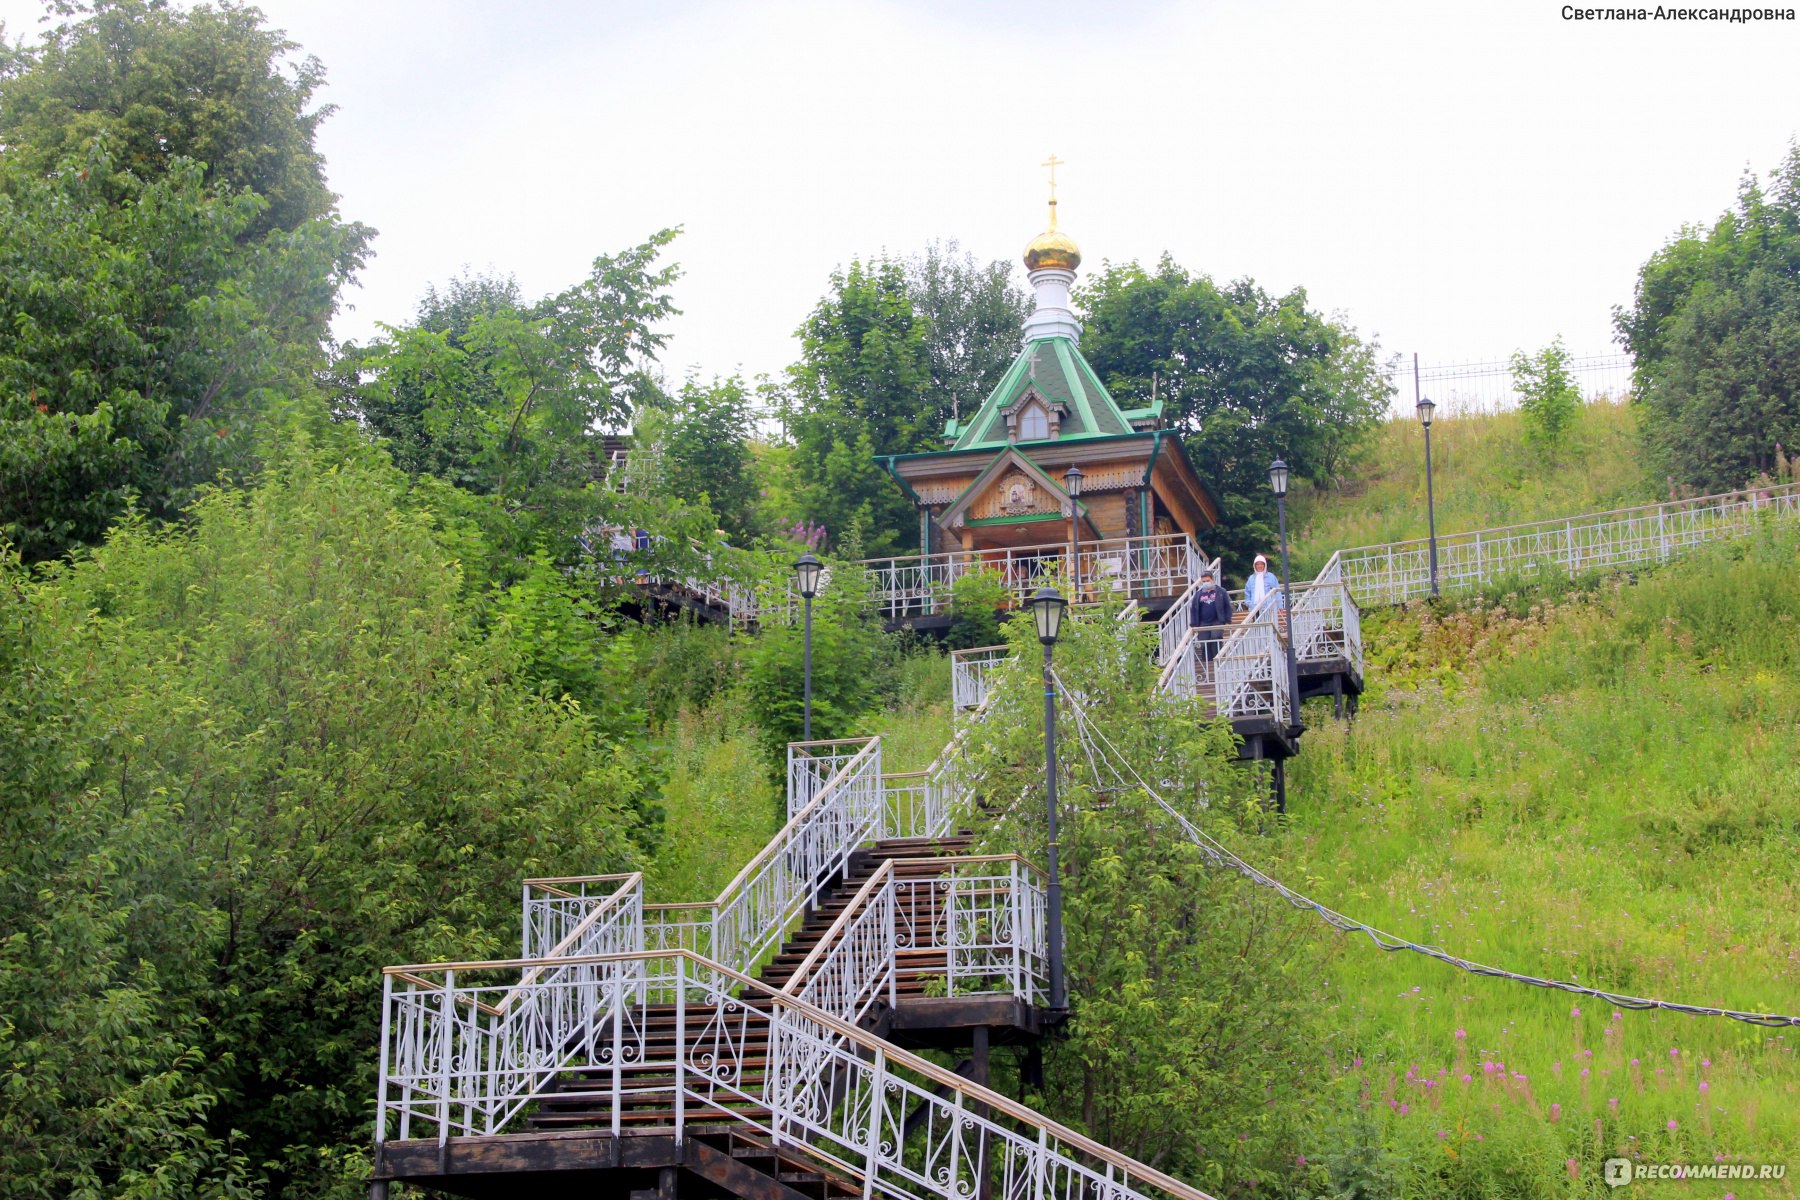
[1246, 376]
[154, 84]
[1714, 330]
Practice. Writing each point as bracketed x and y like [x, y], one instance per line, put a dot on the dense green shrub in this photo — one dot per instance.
[270, 753]
[852, 660]
[1195, 999]
[976, 600]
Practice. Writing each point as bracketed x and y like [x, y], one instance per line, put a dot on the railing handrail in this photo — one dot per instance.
[787, 832]
[1716, 499]
[974, 556]
[549, 881]
[870, 888]
[976, 1093]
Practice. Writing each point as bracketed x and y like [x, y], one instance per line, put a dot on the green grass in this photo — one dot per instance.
[1483, 475]
[723, 798]
[1603, 789]
[721, 804]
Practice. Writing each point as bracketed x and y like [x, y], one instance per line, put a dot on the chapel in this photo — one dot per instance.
[998, 485]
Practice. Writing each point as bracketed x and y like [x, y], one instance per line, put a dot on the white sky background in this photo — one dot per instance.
[1458, 179]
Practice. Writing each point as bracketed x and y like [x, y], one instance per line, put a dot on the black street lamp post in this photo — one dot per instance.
[1278, 483]
[1047, 610]
[1072, 484]
[806, 571]
[1425, 407]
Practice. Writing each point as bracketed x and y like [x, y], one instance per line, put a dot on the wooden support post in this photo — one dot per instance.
[665, 1183]
[1031, 1070]
[978, 1073]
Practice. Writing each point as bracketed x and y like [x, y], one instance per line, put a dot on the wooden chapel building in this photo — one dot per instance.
[997, 489]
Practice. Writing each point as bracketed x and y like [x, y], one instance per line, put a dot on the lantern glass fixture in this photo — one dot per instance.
[1278, 478]
[1072, 482]
[1047, 610]
[806, 570]
[1426, 408]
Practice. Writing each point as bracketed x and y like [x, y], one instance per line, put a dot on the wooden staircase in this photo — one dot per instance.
[912, 965]
[731, 1154]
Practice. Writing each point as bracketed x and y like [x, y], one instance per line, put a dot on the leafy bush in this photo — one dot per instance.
[267, 755]
[976, 600]
[1547, 394]
[853, 661]
[1194, 996]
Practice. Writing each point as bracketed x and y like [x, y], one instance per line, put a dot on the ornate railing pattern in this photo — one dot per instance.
[1401, 571]
[810, 766]
[969, 670]
[984, 913]
[917, 585]
[757, 908]
[604, 914]
[821, 1081]
[1326, 625]
[1247, 676]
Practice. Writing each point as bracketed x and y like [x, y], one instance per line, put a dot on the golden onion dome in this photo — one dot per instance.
[1052, 249]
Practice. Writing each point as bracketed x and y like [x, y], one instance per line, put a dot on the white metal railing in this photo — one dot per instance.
[707, 1042]
[753, 914]
[1250, 675]
[602, 914]
[1401, 571]
[979, 921]
[969, 670]
[810, 765]
[919, 584]
[1247, 677]
[987, 915]
[1326, 625]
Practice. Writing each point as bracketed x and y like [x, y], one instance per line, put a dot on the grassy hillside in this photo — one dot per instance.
[1602, 788]
[1483, 475]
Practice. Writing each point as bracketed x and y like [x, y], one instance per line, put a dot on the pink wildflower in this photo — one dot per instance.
[1575, 1012]
[1462, 1034]
[1674, 1053]
[1406, 1108]
[1468, 1078]
[1555, 1113]
[1612, 1102]
[1572, 1168]
[1705, 1087]
[1671, 1124]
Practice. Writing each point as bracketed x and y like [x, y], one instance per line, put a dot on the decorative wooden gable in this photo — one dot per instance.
[1009, 489]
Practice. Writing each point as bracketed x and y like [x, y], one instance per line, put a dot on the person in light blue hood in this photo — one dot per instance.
[1261, 583]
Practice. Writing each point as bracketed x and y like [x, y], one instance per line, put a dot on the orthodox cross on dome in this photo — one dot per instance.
[1053, 162]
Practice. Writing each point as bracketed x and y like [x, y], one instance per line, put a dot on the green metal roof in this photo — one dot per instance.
[1055, 368]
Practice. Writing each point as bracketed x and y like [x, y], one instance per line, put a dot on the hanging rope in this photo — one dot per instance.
[1217, 854]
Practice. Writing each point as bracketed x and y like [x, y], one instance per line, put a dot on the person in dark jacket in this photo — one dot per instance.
[1210, 613]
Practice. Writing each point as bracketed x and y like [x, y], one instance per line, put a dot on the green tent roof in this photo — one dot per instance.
[1055, 368]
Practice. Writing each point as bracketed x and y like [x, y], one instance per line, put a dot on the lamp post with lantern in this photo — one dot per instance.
[1425, 408]
[806, 574]
[1047, 611]
[1072, 485]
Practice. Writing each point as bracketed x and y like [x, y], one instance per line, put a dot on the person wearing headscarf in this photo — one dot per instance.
[1262, 583]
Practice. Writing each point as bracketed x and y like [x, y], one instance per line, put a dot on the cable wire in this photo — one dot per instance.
[1220, 856]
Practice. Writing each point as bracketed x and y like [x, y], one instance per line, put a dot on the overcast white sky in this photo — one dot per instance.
[1458, 179]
